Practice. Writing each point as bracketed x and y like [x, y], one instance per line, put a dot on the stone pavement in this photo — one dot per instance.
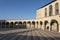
[28, 34]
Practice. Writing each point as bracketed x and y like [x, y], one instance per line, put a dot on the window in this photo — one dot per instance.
[56, 8]
[45, 12]
[50, 10]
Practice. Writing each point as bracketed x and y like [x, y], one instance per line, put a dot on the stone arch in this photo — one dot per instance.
[28, 24]
[7, 24]
[46, 25]
[33, 24]
[50, 10]
[56, 8]
[11, 24]
[54, 25]
[16, 25]
[20, 24]
[41, 25]
[24, 24]
[3, 25]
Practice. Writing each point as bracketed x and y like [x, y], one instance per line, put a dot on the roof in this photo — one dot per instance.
[47, 4]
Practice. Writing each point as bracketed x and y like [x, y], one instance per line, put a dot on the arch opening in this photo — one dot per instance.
[33, 24]
[3, 24]
[7, 24]
[41, 23]
[54, 25]
[11, 25]
[24, 25]
[20, 24]
[46, 25]
[16, 25]
[28, 24]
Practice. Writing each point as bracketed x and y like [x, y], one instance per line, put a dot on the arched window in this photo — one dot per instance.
[56, 8]
[50, 10]
[45, 12]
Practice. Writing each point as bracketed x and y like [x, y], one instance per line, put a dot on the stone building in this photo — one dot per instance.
[47, 18]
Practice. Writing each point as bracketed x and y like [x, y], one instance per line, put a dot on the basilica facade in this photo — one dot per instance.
[47, 18]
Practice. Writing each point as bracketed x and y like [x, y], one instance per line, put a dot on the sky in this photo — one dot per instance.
[20, 9]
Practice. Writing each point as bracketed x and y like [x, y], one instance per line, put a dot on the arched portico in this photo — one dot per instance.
[24, 24]
[20, 24]
[41, 25]
[33, 24]
[46, 25]
[54, 25]
[28, 24]
[7, 24]
[11, 25]
[36, 24]
[3, 25]
[16, 25]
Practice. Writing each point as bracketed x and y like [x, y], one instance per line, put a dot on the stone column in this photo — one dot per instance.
[53, 9]
[18, 24]
[5, 25]
[31, 26]
[49, 27]
[36, 26]
[9, 25]
[1, 25]
[28, 26]
[43, 26]
[59, 27]
[13, 25]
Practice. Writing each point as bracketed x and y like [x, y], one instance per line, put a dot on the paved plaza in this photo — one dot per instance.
[28, 34]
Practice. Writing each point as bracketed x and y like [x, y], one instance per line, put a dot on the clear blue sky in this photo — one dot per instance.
[20, 9]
